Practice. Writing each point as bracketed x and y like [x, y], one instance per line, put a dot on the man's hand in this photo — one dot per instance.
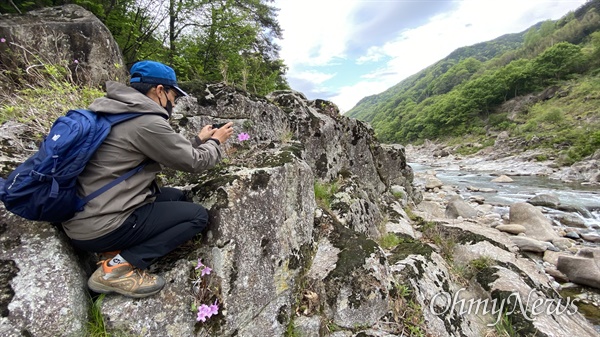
[206, 133]
[223, 133]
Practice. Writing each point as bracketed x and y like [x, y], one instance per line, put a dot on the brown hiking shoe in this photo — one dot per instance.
[108, 255]
[124, 279]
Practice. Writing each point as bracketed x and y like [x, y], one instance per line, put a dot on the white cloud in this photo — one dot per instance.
[348, 96]
[374, 54]
[314, 76]
[317, 33]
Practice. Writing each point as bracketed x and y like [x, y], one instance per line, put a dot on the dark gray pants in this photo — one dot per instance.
[153, 230]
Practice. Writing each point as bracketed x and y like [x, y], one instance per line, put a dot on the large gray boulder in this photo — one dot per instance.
[259, 241]
[67, 35]
[43, 282]
[536, 224]
[582, 269]
[457, 207]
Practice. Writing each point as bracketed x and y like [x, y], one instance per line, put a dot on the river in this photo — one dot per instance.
[583, 197]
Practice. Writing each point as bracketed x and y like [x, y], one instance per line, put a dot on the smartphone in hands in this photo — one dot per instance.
[218, 125]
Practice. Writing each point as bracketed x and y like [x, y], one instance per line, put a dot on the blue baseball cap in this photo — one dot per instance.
[155, 73]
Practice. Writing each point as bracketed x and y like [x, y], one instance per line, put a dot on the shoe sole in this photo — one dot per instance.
[104, 289]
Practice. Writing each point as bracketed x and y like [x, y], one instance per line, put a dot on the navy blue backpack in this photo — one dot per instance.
[44, 187]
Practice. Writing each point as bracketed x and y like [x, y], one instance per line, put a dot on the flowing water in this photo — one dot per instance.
[586, 199]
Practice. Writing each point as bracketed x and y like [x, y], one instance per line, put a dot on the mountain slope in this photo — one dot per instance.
[367, 107]
[466, 92]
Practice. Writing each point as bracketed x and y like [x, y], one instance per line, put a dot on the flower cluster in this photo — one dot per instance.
[243, 136]
[206, 311]
[205, 269]
[202, 292]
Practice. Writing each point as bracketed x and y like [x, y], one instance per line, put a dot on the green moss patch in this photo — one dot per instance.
[408, 246]
[355, 249]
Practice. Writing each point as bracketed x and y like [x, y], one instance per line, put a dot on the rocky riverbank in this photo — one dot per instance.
[508, 158]
[562, 246]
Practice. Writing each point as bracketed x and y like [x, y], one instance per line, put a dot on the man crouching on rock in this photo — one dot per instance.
[134, 223]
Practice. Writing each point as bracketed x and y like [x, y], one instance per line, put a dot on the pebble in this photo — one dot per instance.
[512, 228]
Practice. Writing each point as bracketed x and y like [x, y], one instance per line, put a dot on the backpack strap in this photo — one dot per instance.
[114, 119]
[112, 184]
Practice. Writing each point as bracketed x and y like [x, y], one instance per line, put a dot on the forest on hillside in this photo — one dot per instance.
[231, 41]
[463, 93]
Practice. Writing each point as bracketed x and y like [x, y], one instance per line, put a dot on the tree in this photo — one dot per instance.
[515, 78]
[218, 40]
[558, 61]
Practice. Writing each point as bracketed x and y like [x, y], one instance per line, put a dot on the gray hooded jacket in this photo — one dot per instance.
[130, 143]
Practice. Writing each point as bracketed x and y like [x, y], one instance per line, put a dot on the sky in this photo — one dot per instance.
[344, 50]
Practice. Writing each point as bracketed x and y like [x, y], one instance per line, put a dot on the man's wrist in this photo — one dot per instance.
[218, 142]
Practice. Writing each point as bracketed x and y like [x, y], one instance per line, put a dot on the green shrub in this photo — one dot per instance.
[324, 193]
[389, 240]
[481, 263]
[494, 120]
[35, 90]
[553, 116]
[398, 194]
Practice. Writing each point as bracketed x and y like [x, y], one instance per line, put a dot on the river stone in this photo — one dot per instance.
[591, 237]
[526, 244]
[432, 183]
[556, 274]
[562, 243]
[430, 209]
[574, 209]
[552, 257]
[581, 270]
[570, 220]
[482, 189]
[503, 179]
[538, 226]
[457, 207]
[546, 321]
[477, 199]
[545, 200]
[572, 235]
[511, 228]
[588, 252]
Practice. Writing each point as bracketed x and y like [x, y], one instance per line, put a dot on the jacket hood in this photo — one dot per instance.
[123, 99]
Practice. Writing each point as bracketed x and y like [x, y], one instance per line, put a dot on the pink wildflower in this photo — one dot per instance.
[203, 313]
[206, 311]
[200, 264]
[206, 271]
[2, 40]
[243, 136]
[76, 61]
[214, 308]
